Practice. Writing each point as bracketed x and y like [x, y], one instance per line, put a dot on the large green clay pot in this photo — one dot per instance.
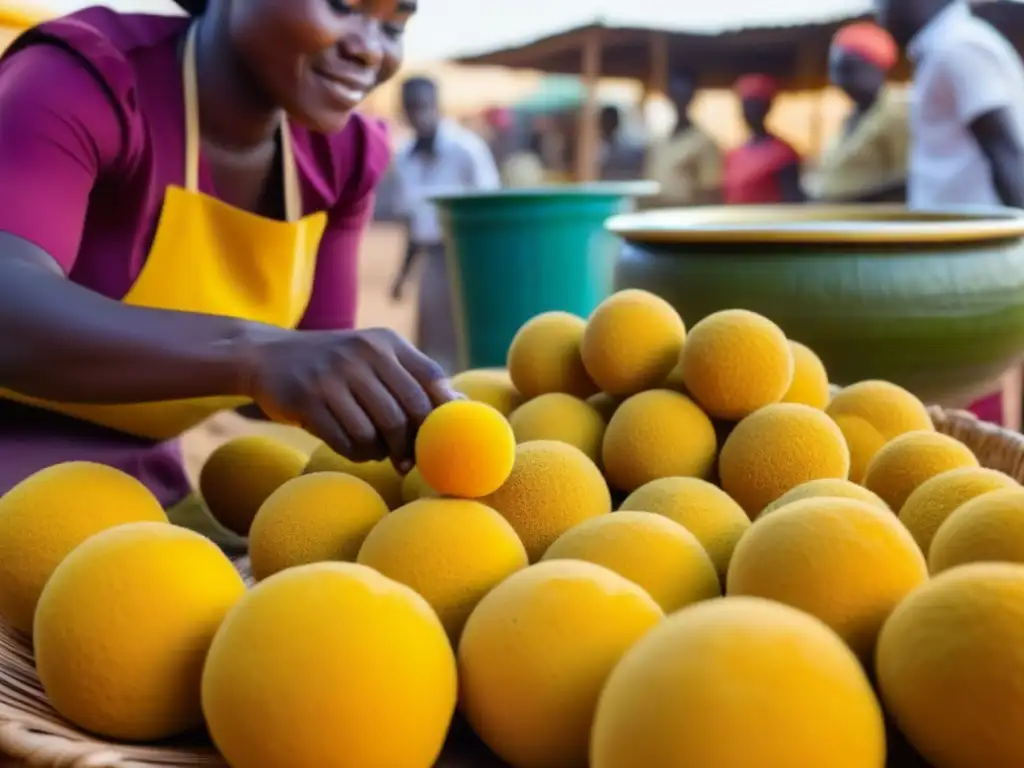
[515, 253]
[933, 301]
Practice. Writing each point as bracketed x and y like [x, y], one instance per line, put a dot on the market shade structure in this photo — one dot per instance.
[641, 48]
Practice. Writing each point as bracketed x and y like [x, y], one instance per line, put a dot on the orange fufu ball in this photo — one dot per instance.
[545, 357]
[656, 434]
[48, 514]
[735, 362]
[810, 379]
[632, 342]
[777, 448]
[553, 487]
[465, 449]
[241, 474]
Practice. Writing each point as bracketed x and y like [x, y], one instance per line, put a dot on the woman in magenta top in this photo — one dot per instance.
[765, 169]
[222, 153]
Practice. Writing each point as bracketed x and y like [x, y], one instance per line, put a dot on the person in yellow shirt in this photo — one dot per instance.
[868, 161]
[687, 164]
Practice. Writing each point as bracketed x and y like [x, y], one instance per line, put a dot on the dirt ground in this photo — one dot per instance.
[380, 258]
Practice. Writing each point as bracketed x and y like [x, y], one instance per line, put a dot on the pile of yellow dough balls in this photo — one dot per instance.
[636, 546]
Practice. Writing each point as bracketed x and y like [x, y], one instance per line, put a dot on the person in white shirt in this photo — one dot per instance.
[442, 157]
[967, 105]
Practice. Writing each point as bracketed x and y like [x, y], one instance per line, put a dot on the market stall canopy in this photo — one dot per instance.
[457, 28]
[797, 53]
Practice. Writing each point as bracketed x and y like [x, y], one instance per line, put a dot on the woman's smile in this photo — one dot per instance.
[346, 85]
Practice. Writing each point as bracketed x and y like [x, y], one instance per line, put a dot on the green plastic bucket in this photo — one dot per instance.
[515, 253]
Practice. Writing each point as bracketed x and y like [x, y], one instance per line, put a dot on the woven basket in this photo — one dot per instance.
[32, 734]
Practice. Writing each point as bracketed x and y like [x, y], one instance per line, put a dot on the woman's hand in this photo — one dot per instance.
[364, 393]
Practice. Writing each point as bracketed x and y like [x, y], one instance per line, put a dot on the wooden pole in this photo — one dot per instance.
[807, 66]
[657, 77]
[588, 137]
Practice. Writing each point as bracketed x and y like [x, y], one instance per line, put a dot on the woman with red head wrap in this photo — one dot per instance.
[765, 169]
[868, 160]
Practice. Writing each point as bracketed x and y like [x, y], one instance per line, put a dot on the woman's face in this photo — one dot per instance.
[318, 59]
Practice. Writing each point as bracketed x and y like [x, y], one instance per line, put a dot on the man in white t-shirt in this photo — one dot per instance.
[967, 105]
[442, 157]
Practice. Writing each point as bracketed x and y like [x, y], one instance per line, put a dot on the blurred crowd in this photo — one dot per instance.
[954, 138]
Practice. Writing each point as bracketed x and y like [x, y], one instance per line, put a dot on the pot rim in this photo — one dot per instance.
[819, 224]
[624, 189]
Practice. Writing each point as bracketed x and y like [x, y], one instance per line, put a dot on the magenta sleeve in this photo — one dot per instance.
[58, 129]
[335, 298]
[334, 303]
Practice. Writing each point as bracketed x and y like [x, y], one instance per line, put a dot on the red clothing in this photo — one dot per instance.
[989, 408]
[751, 174]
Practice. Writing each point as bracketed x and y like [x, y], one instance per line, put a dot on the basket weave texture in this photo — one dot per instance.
[34, 736]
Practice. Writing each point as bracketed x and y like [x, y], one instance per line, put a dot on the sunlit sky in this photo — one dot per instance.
[446, 28]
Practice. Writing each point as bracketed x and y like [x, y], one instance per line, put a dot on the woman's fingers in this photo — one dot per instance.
[427, 373]
[404, 387]
[390, 419]
[353, 417]
[319, 421]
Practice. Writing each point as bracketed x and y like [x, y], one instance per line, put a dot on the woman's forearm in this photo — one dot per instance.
[60, 341]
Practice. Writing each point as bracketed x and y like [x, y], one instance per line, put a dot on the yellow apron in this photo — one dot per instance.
[212, 258]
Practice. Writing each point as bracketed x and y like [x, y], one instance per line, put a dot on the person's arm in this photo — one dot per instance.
[997, 136]
[58, 132]
[364, 393]
[984, 105]
[482, 172]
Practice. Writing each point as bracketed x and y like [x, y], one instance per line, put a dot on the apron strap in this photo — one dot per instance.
[292, 190]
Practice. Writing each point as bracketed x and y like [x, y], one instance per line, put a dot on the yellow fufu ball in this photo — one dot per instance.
[777, 448]
[738, 683]
[863, 440]
[545, 356]
[313, 518]
[648, 549]
[51, 512]
[989, 528]
[535, 655]
[735, 362]
[465, 449]
[810, 380]
[658, 433]
[330, 664]
[934, 500]
[553, 487]
[415, 487]
[557, 416]
[451, 551]
[826, 488]
[381, 475]
[703, 509]
[845, 561]
[489, 385]
[887, 407]
[242, 473]
[605, 404]
[950, 663]
[632, 342]
[909, 460]
[124, 625]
